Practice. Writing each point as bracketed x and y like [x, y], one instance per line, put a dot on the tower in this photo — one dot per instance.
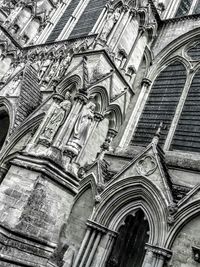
[99, 133]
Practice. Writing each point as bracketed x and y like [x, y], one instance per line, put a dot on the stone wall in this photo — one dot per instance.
[182, 247]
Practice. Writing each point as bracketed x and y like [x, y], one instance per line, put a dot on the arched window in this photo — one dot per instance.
[129, 247]
[187, 134]
[161, 104]
[4, 126]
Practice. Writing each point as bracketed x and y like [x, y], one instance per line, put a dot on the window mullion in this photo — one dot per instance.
[179, 109]
[192, 8]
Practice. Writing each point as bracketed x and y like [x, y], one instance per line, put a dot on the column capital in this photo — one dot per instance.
[159, 251]
[81, 97]
[146, 82]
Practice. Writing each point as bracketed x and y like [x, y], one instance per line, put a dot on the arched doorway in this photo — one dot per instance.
[129, 247]
[4, 126]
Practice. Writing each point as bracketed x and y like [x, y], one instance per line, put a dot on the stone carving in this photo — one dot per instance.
[82, 127]
[52, 71]
[63, 66]
[44, 65]
[146, 166]
[55, 120]
[111, 20]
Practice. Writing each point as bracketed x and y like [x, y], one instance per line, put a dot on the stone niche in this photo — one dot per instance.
[187, 238]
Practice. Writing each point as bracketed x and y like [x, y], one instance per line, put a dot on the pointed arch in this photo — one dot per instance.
[116, 116]
[66, 82]
[185, 215]
[127, 195]
[103, 96]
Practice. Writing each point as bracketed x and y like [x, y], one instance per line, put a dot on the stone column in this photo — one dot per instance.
[90, 244]
[133, 120]
[108, 247]
[124, 10]
[131, 15]
[140, 33]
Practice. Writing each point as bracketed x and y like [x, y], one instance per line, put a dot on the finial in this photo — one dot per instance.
[157, 134]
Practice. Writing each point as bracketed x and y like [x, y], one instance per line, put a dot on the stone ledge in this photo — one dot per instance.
[49, 169]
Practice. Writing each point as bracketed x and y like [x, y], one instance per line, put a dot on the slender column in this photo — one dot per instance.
[100, 20]
[96, 243]
[108, 248]
[136, 113]
[28, 22]
[85, 240]
[55, 18]
[149, 260]
[75, 16]
[160, 261]
[116, 27]
[140, 33]
[156, 256]
[131, 14]
[87, 249]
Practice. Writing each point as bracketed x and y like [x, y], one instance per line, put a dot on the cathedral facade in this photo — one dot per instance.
[99, 133]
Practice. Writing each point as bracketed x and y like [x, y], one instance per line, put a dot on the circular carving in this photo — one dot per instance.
[146, 166]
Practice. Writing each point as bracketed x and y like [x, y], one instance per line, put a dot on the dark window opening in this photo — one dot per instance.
[187, 134]
[129, 247]
[161, 105]
[4, 126]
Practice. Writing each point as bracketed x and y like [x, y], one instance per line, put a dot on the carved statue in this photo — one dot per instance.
[56, 119]
[82, 126]
[52, 71]
[109, 24]
[44, 65]
[64, 64]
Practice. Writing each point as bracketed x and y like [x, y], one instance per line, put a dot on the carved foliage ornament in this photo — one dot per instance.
[146, 166]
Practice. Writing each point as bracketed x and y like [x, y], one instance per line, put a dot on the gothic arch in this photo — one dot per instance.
[103, 95]
[117, 115]
[88, 182]
[173, 46]
[182, 218]
[127, 195]
[4, 124]
[158, 68]
[66, 82]
[22, 131]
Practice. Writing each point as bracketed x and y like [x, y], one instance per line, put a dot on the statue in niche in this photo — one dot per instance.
[52, 72]
[64, 65]
[111, 20]
[55, 120]
[82, 126]
[44, 65]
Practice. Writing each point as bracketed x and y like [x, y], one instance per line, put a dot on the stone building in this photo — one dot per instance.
[100, 133]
